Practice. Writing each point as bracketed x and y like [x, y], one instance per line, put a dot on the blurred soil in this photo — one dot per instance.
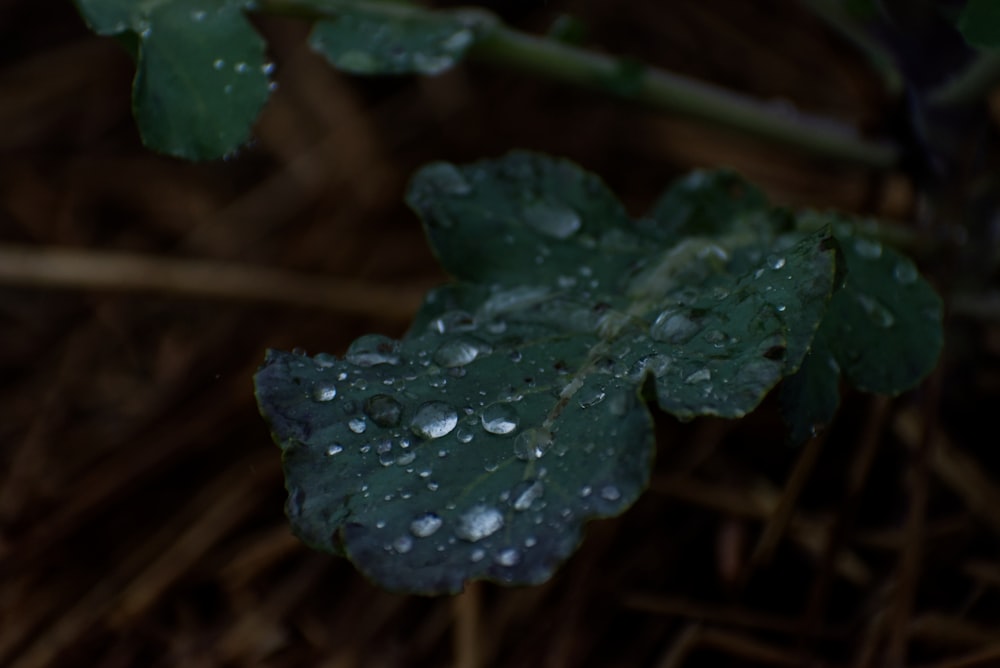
[141, 518]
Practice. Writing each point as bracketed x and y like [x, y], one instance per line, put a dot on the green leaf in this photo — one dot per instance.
[201, 76]
[882, 331]
[884, 325]
[396, 39]
[979, 23]
[511, 413]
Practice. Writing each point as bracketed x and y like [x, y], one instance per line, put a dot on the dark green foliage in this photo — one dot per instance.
[512, 412]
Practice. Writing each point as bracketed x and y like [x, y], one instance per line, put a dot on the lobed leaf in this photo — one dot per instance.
[513, 411]
[201, 75]
[882, 331]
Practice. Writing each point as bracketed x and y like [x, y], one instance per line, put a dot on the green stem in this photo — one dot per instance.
[972, 85]
[658, 89]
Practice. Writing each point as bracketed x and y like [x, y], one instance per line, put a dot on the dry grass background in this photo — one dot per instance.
[141, 499]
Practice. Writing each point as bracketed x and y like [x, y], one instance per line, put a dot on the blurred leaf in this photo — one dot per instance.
[979, 23]
[511, 413]
[396, 40]
[201, 78]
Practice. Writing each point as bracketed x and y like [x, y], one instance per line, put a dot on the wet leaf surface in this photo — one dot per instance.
[512, 412]
[201, 74]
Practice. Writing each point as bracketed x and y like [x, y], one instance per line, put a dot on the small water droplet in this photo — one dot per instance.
[373, 349]
[510, 556]
[586, 491]
[219, 63]
[526, 493]
[357, 425]
[672, 326]
[610, 493]
[775, 262]
[478, 523]
[434, 419]
[267, 69]
[241, 68]
[500, 418]
[464, 435]
[532, 444]
[383, 410]
[334, 449]
[870, 249]
[717, 338]
[780, 308]
[198, 15]
[477, 554]
[530, 541]
[905, 272]
[403, 544]
[552, 219]
[699, 376]
[405, 458]
[453, 322]
[426, 525]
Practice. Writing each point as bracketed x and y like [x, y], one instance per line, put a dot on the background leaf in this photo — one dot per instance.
[396, 40]
[201, 76]
[510, 414]
[979, 23]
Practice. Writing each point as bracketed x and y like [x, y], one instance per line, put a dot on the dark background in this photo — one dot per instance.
[141, 498]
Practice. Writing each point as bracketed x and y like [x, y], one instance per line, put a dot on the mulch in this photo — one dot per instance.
[141, 499]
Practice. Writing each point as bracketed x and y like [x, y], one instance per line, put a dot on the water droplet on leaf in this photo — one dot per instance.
[434, 419]
[870, 249]
[357, 425]
[403, 544]
[479, 522]
[672, 326]
[373, 349]
[426, 525]
[526, 493]
[508, 557]
[532, 444]
[334, 449]
[459, 352]
[699, 376]
[553, 219]
[383, 410]
[500, 418]
[324, 392]
[877, 311]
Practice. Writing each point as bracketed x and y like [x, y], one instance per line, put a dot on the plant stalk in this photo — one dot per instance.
[658, 89]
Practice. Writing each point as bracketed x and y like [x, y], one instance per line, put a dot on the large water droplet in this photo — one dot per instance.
[526, 492]
[324, 392]
[553, 219]
[532, 444]
[500, 418]
[373, 349]
[590, 396]
[461, 351]
[434, 419]
[479, 522]
[877, 311]
[425, 525]
[383, 410]
[672, 326]
[508, 557]
[870, 249]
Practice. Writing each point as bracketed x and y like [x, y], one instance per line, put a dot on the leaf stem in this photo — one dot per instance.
[665, 91]
[971, 85]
